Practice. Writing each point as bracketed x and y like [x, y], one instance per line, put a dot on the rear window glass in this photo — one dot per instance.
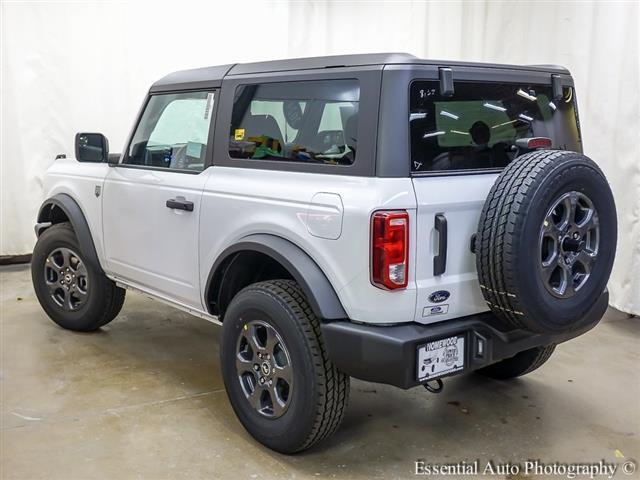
[478, 126]
[311, 122]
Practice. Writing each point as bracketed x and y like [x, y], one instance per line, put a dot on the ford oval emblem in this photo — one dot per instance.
[439, 296]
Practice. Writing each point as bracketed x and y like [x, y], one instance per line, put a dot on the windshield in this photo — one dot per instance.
[477, 127]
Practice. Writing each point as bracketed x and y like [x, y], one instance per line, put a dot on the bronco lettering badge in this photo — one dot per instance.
[439, 296]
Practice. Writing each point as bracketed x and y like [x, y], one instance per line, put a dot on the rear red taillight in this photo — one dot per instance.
[390, 249]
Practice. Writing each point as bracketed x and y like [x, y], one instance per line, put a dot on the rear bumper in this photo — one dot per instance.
[387, 354]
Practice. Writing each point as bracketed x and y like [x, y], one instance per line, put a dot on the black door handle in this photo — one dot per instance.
[440, 260]
[180, 204]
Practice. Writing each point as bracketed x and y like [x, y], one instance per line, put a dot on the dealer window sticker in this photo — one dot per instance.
[208, 106]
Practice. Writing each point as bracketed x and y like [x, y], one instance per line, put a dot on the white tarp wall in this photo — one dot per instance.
[68, 67]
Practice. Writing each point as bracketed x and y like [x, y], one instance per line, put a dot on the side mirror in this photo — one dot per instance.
[92, 147]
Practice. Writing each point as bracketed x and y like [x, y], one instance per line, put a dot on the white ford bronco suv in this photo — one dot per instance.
[375, 216]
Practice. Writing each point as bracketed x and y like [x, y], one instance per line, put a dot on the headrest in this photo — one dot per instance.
[256, 125]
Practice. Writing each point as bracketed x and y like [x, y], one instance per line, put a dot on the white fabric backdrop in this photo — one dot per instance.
[74, 66]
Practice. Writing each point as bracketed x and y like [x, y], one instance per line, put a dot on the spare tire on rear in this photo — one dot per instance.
[546, 241]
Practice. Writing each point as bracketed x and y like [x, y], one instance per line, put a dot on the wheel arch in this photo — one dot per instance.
[279, 258]
[63, 208]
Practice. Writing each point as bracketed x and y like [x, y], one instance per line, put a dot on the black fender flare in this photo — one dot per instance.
[320, 294]
[78, 221]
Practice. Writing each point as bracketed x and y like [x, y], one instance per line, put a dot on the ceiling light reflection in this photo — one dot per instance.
[504, 123]
[524, 94]
[448, 114]
[433, 134]
[494, 107]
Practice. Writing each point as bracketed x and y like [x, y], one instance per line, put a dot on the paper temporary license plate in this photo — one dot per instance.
[440, 357]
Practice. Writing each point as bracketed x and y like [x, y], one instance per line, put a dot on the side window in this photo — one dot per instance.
[173, 132]
[313, 122]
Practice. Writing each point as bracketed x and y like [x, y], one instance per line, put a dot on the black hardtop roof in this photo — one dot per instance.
[212, 76]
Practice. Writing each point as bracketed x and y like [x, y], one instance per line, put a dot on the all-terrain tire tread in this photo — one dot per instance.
[332, 384]
[507, 201]
[113, 296]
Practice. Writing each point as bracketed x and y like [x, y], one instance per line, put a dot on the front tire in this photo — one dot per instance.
[279, 380]
[73, 294]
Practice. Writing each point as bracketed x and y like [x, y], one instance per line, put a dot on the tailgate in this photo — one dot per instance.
[448, 212]
[462, 135]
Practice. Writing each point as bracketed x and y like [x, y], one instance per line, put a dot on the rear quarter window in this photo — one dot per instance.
[477, 127]
[313, 122]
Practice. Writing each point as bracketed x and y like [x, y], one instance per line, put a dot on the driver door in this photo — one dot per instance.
[152, 198]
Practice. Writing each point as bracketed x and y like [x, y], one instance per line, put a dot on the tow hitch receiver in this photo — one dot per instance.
[437, 388]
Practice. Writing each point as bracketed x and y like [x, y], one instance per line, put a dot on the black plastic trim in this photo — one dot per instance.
[160, 169]
[452, 173]
[446, 82]
[78, 221]
[440, 260]
[387, 354]
[213, 76]
[76, 146]
[556, 84]
[194, 79]
[320, 294]
[177, 204]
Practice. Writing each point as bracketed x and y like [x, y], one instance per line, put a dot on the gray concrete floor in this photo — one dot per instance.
[144, 398]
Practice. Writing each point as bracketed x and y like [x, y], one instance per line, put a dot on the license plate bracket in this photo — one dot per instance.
[441, 357]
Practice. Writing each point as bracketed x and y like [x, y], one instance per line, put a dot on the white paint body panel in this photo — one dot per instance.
[238, 202]
[79, 181]
[324, 216]
[169, 253]
[146, 242]
[460, 198]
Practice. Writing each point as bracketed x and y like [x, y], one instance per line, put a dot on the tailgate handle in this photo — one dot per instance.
[440, 260]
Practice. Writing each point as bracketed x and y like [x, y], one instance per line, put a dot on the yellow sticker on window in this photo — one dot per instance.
[239, 133]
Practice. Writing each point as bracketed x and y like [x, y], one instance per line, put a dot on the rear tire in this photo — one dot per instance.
[518, 365]
[274, 316]
[73, 294]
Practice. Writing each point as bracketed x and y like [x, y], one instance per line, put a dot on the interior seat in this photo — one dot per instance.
[258, 125]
